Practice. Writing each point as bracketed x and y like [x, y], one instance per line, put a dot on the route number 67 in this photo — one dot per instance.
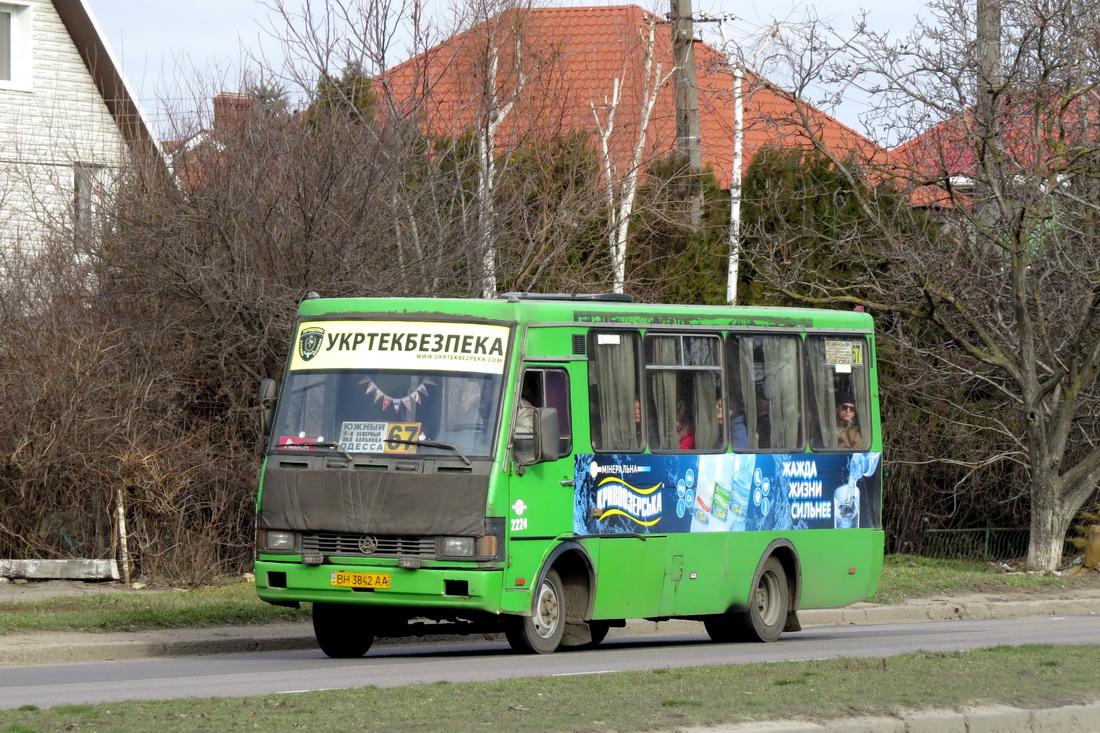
[402, 431]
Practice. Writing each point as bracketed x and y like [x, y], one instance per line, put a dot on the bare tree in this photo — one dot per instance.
[621, 186]
[1003, 148]
[497, 24]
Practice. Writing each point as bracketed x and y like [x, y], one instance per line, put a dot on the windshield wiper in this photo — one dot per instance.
[336, 446]
[431, 444]
[323, 444]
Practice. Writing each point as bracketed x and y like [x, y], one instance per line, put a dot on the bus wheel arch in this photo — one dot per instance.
[561, 604]
[785, 552]
[542, 630]
[772, 602]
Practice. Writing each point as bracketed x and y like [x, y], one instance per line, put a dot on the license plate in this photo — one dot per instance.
[359, 580]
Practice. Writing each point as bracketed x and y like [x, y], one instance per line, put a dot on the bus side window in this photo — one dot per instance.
[768, 370]
[614, 393]
[837, 393]
[546, 388]
[683, 386]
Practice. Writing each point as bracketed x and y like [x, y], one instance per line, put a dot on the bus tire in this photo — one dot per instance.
[342, 631]
[766, 614]
[541, 632]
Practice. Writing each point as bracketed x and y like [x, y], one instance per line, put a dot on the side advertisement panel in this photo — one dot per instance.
[650, 494]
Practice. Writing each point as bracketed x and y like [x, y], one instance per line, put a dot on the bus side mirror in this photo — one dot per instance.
[543, 443]
[267, 406]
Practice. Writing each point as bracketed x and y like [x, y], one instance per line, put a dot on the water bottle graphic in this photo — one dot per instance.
[700, 502]
[846, 506]
[704, 500]
[846, 498]
[721, 506]
[743, 470]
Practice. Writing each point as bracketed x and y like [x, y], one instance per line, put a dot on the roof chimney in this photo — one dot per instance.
[232, 110]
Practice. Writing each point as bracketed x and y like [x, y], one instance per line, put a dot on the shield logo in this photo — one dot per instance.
[309, 342]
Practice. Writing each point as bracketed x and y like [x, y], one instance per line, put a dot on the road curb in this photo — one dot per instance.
[17, 650]
[21, 651]
[1083, 718]
[946, 610]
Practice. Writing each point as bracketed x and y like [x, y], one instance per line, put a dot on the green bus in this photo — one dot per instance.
[549, 466]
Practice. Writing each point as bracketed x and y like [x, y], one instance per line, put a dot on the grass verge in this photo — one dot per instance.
[908, 576]
[136, 610]
[1031, 676]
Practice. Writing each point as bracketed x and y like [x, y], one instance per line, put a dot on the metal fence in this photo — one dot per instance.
[981, 544]
[976, 544]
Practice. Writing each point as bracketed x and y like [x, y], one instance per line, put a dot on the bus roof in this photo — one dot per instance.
[587, 309]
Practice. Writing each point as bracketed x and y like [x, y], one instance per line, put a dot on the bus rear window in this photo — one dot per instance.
[837, 393]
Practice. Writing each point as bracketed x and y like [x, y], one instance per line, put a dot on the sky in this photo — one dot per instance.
[172, 51]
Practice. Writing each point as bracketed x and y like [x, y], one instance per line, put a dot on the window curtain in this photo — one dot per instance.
[781, 389]
[617, 389]
[703, 352]
[747, 368]
[823, 394]
[662, 394]
[707, 433]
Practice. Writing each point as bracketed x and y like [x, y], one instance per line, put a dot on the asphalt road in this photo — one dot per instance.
[229, 675]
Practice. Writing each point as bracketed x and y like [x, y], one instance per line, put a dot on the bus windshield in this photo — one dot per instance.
[388, 412]
[393, 387]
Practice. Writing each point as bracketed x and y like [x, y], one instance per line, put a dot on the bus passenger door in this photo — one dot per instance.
[541, 495]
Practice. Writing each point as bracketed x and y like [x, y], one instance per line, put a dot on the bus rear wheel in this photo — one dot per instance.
[343, 631]
[766, 614]
[541, 632]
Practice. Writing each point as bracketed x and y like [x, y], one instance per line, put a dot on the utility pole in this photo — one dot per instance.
[687, 100]
[989, 119]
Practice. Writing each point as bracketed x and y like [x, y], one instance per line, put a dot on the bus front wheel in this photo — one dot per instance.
[541, 632]
[766, 614]
[342, 631]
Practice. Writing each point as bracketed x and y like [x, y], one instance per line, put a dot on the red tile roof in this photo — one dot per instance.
[1043, 138]
[571, 57]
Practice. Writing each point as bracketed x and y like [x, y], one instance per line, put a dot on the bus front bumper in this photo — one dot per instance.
[285, 582]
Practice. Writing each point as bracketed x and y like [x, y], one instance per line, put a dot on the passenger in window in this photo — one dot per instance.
[685, 426]
[847, 426]
[763, 424]
[739, 432]
[529, 399]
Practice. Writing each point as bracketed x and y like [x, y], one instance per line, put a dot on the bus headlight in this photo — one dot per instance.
[276, 540]
[457, 547]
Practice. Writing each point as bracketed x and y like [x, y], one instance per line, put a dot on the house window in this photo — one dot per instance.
[5, 44]
[15, 44]
[87, 182]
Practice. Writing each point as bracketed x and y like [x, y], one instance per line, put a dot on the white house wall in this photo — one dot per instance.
[56, 122]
